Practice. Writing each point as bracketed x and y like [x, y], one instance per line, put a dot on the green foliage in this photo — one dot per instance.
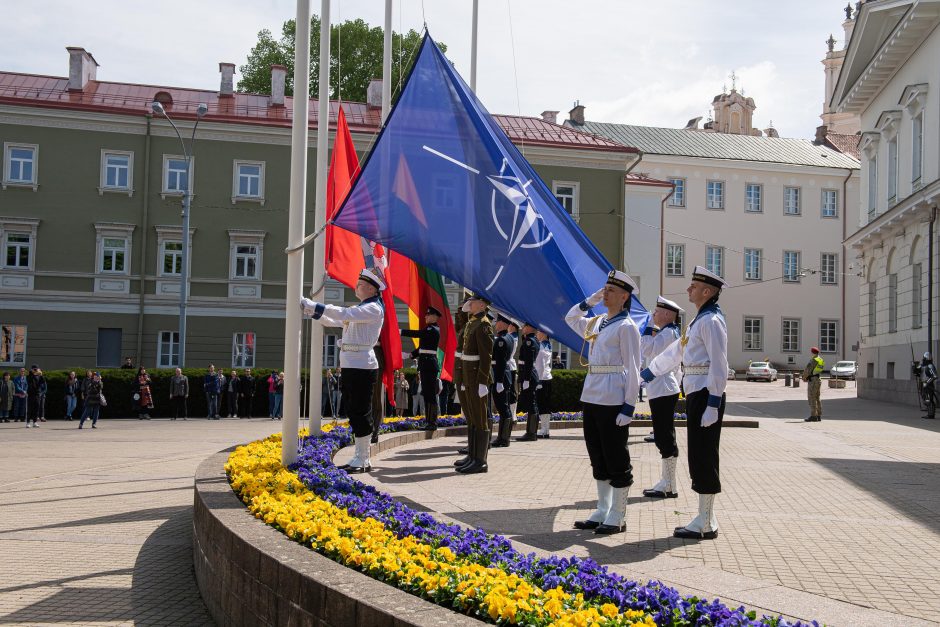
[566, 389]
[355, 58]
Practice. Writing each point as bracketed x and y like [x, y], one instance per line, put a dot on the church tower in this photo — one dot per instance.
[733, 113]
[841, 123]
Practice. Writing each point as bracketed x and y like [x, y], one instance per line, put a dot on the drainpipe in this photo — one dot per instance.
[662, 237]
[623, 203]
[142, 262]
[845, 204]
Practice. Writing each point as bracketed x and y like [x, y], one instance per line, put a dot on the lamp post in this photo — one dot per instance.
[201, 110]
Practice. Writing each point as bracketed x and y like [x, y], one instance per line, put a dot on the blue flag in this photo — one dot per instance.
[446, 187]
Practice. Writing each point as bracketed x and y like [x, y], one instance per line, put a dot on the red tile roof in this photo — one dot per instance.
[640, 178]
[846, 144]
[243, 108]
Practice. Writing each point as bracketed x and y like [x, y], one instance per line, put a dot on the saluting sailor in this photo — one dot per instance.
[362, 325]
[609, 396]
[429, 339]
[477, 376]
[529, 382]
[502, 380]
[663, 395]
[703, 352]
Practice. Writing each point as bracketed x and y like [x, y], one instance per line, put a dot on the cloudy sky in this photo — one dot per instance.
[631, 61]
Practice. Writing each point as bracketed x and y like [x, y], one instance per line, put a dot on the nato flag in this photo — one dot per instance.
[446, 187]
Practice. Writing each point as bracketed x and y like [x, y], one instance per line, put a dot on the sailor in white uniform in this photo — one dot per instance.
[609, 396]
[362, 325]
[703, 352]
[663, 395]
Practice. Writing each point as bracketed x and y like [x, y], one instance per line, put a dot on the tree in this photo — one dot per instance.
[355, 58]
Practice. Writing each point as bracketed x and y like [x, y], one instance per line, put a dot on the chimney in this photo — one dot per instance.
[374, 94]
[576, 115]
[278, 76]
[550, 116]
[227, 87]
[82, 68]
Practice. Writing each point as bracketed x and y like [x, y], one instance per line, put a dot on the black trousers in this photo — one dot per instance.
[33, 412]
[703, 443]
[231, 399]
[427, 370]
[358, 387]
[527, 397]
[513, 393]
[245, 401]
[607, 445]
[663, 410]
[544, 396]
[179, 407]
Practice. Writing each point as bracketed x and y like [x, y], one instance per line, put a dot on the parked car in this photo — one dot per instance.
[761, 371]
[844, 370]
[730, 373]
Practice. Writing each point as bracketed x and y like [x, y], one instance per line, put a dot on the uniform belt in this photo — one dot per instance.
[458, 355]
[493, 363]
[696, 370]
[470, 357]
[355, 348]
[427, 351]
[605, 369]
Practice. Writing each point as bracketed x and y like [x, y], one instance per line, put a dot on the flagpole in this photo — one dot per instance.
[473, 45]
[295, 233]
[315, 379]
[387, 63]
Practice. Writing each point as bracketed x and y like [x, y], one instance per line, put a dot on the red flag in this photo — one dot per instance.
[344, 257]
[390, 339]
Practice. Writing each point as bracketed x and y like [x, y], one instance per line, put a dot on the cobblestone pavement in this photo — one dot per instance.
[96, 525]
[836, 520]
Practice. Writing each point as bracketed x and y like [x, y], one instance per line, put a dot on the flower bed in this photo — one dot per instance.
[468, 570]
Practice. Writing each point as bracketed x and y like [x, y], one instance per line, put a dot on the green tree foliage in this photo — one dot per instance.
[355, 58]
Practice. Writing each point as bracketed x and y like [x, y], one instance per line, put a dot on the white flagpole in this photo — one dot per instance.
[387, 63]
[295, 235]
[473, 45]
[319, 244]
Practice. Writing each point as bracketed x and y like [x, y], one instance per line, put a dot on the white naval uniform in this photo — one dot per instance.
[543, 362]
[362, 325]
[652, 346]
[707, 348]
[617, 344]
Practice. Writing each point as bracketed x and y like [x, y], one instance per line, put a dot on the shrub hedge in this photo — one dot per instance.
[119, 390]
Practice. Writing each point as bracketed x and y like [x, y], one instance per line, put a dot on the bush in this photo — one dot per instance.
[566, 389]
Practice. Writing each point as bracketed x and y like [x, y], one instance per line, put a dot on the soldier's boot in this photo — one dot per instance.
[532, 420]
[666, 488]
[363, 463]
[468, 457]
[545, 421]
[594, 521]
[480, 450]
[431, 418]
[377, 420]
[705, 525]
[504, 430]
[616, 519]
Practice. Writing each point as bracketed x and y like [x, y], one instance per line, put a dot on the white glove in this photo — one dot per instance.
[538, 387]
[307, 306]
[525, 385]
[482, 390]
[595, 298]
[623, 420]
[499, 388]
[463, 388]
[710, 416]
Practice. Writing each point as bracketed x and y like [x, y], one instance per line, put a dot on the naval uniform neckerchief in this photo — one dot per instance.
[710, 307]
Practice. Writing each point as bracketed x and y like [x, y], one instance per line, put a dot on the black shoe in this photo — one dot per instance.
[586, 524]
[358, 470]
[430, 428]
[476, 466]
[375, 438]
[544, 436]
[528, 437]
[497, 443]
[659, 494]
[650, 438]
[682, 532]
[463, 461]
[813, 419]
[606, 530]
[927, 417]
[463, 451]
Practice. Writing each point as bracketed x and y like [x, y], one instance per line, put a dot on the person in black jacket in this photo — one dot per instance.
[502, 380]
[528, 381]
[36, 388]
[246, 393]
[429, 339]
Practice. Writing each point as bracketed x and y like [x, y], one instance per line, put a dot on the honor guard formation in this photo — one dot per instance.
[500, 361]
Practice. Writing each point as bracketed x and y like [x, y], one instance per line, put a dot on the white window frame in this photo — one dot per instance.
[169, 284]
[715, 202]
[246, 287]
[721, 260]
[113, 282]
[893, 164]
[237, 196]
[823, 278]
[170, 362]
[786, 200]
[12, 361]
[330, 350]
[869, 147]
[103, 180]
[18, 277]
[110, 251]
[176, 259]
[32, 183]
[823, 347]
[677, 199]
[240, 356]
[166, 191]
[19, 246]
[824, 194]
[445, 191]
[792, 278]
[785, 345]
[747, 198]
[760, 270]
[681, 250]
[245, 258]
[575, 197]
[759, 320]
[917, 150]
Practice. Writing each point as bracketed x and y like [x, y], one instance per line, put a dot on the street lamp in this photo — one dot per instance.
[201, 110]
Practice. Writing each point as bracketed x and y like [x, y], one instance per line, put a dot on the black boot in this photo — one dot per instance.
[468, 457]
[531, 425]
[376, 426]
[480, 449]
[431, 418]
[505, 428]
